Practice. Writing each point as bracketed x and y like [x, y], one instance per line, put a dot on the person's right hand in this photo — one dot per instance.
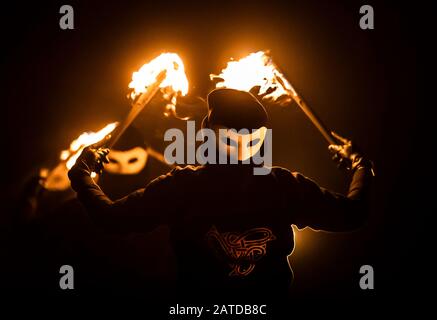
[93, 158]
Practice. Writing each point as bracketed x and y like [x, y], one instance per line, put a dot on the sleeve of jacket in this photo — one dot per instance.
[312, 206]
[141, 210]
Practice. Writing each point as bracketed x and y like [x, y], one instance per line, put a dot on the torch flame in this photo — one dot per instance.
[83, 141]
[174, 84]
[256, 69]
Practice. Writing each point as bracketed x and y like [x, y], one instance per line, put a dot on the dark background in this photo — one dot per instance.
[363, 83]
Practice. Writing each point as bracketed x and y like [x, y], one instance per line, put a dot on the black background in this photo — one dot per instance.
[363, 83]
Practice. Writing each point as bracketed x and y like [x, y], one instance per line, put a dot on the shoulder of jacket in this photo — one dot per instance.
[282, 174]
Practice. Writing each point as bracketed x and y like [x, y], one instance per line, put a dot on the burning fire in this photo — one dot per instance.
[84, 140]
[174, 84]
[256, 69]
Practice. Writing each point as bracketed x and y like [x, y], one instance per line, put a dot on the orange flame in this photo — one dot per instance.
[174, 84]
[84, 140]
[256, 69]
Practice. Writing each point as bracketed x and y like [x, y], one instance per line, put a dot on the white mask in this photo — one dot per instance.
[240, 145]
[131, 161]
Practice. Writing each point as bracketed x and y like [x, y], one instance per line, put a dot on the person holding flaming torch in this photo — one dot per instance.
[230, 228]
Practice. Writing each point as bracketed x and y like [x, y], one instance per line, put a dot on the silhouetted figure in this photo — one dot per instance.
[230, 229]
[130, 165]
[52, 228]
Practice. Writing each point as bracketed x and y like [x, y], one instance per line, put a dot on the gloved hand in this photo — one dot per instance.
[347, 155]
[92, 159]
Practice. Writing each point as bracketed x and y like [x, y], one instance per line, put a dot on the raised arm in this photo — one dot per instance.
[137, 211]
[321, 209]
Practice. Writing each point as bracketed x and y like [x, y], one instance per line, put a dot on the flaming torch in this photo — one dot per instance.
[165, 72]
[258, 70]
[84, 140]
[56, 178]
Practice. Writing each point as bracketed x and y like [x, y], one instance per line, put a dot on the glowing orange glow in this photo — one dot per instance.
[256, 69]
[174, 84]
[84, 140]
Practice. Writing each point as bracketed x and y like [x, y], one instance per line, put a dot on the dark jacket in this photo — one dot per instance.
[230, 229]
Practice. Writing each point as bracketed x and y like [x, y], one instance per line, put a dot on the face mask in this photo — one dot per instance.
[131, 161]
[240, 145]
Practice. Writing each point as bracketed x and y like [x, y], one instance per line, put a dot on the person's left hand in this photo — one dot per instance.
[345, 155]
